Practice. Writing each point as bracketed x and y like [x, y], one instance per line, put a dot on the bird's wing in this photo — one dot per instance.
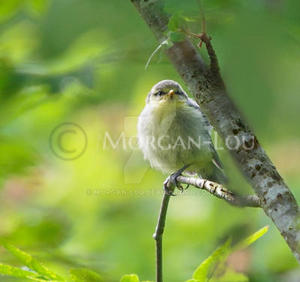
[192, 103]
[216, 160]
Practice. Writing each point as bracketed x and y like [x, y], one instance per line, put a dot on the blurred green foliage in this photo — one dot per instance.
[84, 62]
[211, 269]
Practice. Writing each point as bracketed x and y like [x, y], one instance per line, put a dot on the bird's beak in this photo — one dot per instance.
[171, 93]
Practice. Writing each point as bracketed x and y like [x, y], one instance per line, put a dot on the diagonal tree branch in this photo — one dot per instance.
[207, 86]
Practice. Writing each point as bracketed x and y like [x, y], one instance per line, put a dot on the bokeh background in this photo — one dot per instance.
[83, 62]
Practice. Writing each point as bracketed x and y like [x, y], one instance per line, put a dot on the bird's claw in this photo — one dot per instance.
[171, 182]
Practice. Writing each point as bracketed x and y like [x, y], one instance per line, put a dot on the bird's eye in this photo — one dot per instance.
[159, 93]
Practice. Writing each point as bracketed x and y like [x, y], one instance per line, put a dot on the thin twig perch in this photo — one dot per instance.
[158, 236]
[220, 191]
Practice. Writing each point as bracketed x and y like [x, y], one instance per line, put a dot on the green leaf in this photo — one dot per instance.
[83, 274]
[208, 266]
[176, 22]
[232, 276]
[214, 269]
[130, 278]
[251, 239]
[176, 36]
[17, 272]
[31, 262]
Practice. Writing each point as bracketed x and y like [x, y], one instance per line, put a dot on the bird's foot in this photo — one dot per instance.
[172, 182]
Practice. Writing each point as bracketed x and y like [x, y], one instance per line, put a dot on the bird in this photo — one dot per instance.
[175, 136]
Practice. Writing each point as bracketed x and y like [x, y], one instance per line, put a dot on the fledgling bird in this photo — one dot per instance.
[174, 135]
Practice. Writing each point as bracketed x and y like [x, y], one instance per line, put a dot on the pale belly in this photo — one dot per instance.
[176, 140]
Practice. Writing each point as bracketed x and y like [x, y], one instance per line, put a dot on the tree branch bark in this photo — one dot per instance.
[207, 86]
[221, 192]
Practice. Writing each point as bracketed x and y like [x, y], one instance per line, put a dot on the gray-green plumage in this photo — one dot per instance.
[173, 132]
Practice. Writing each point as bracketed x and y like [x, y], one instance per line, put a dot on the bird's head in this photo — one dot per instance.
[166, 91]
